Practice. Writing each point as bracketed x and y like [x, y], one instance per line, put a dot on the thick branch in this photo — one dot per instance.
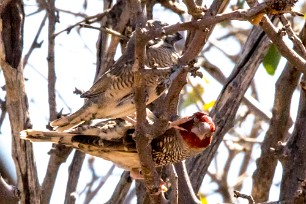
[8, 194]
[106, 53]
[279, 125]
[294, 163]
[229, 100]
[142, 138]
[249, 101]
[11, 36]
[121, 189]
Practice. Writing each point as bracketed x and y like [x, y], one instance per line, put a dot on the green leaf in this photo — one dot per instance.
[271, 60]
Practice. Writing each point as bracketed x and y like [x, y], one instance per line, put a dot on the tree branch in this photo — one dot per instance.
[299, 62]
[229, 100]
[249, 101]
[142, 138]
[174, 6]
[35, 44]
[8, 194]
[11, 37]
[174, 184]
[106, 53]
[74, 174]
[294, 163]
[237, 194]
[59, 153]
[121, 189]
[87, 20]
[279, 125]
[185, 190]
[91, 194]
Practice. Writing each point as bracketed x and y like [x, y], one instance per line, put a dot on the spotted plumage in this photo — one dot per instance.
[280, 6]
[112, 140]
[112, 95]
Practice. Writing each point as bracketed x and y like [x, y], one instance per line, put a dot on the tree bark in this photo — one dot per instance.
[294, 156]
[279, 125]
[228, 102]
[11, 29]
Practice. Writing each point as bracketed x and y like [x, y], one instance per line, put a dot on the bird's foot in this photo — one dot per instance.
[131, 119]
[136, 174]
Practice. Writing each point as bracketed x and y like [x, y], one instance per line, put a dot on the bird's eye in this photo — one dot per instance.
[196, 119]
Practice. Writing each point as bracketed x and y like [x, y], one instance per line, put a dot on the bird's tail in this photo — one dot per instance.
[91, 144]
[66, 123]
[47, 136]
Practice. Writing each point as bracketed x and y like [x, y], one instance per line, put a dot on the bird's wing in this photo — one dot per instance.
[122, 68]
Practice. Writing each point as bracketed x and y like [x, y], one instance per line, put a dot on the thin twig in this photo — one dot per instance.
[237, 194]
[74, 174]
[194, 9]
[83, 15]
[50, 59]
[35, 44]
[293, 37]
[174, 6]
[174, 185]
[57, 92]
[88, 20]
[107, 30]
[59, 153]
[3, 112]
[291, 55]
[94, 176]
[91, 194]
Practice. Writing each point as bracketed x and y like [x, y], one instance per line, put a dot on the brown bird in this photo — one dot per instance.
[112, 95]
[112, 140]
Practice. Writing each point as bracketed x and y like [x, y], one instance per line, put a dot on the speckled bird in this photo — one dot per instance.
[112, 95]
[112, 140]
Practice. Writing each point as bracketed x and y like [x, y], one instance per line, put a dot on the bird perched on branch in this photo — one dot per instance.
[112, 95]
[112, 140]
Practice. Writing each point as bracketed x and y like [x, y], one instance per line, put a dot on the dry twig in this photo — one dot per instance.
[237, 194]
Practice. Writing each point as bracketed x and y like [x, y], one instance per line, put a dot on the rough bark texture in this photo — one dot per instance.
[229, 100]
[294, 154]
[279, 125]
[11, 29]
